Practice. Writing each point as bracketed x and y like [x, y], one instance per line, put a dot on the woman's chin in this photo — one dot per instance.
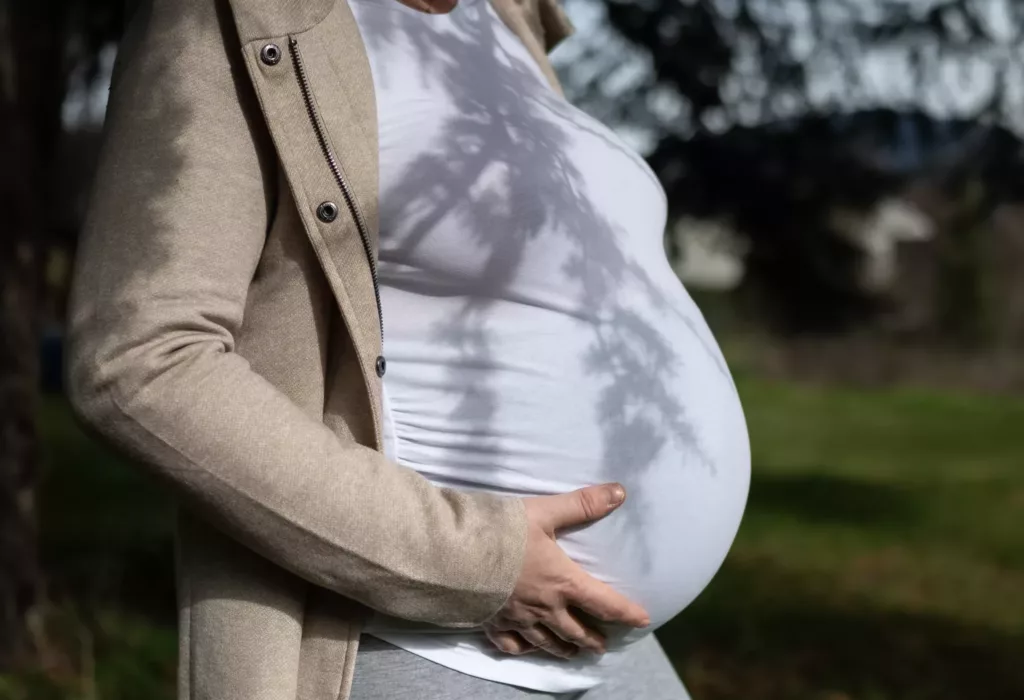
[431, 7]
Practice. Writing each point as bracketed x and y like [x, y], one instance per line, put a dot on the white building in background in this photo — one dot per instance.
[879, 233]
[712, 254]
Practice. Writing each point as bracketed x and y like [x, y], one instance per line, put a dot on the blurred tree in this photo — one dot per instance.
[41, 42]
[773, 114]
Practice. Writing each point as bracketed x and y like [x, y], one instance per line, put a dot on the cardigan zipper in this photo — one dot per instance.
[339, 177]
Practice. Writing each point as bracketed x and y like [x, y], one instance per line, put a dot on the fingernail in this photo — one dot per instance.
[616, 496]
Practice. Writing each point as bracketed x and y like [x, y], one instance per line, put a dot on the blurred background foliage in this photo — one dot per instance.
[844, 179]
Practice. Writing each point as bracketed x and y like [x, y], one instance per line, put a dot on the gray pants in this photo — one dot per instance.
[385, 672]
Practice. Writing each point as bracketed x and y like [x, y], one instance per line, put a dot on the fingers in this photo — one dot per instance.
[509, 642]
[572, 631]
[604, 602]
[576, 507]
[544, 639]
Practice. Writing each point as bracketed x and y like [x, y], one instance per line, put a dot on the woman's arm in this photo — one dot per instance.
[173, 236]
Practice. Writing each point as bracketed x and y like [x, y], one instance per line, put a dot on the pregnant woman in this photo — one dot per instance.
[537, 338]
[291, 192]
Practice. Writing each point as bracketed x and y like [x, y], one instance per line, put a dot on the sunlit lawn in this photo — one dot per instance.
[882, 557]
[882, 553]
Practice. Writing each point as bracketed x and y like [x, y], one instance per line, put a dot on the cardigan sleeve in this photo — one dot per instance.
[174, 232]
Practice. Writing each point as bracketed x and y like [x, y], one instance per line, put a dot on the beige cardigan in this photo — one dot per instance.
[223, 330]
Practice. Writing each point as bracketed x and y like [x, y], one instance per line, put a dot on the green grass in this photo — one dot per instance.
[881, 558]
[881, 555]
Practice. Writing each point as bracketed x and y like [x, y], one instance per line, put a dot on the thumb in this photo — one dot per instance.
[576, 507]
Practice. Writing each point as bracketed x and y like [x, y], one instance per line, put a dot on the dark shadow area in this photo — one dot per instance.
[107, 528]
[762, 633]
[106, 544]
[829, 498]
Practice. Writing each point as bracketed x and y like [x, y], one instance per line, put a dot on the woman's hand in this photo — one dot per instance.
[537, 615]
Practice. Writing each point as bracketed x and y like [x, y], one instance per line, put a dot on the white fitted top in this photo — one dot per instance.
[537, 338]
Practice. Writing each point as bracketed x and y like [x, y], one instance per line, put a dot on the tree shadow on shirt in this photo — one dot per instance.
[508, 124]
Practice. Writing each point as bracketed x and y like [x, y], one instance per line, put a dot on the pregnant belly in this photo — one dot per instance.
[664, 545]
[559, 408]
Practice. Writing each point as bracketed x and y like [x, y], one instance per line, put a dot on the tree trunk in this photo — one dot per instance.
[31, 85]
[19, 458]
